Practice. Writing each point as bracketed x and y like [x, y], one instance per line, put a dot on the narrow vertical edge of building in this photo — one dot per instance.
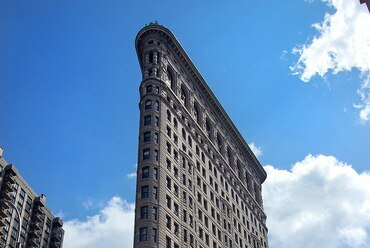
[198, 182]
[37, 227]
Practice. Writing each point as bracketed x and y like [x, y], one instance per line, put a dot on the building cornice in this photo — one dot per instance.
[201, 83]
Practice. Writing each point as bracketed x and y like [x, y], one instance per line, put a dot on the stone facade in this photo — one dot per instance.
[39, 228]
[198, 182]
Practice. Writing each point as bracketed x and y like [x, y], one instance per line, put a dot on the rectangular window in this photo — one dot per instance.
[156, 156]
[168, 202]
[175, 155]
[156, 138]
[168, 147]
[176, 229]
[168, 242]
[154, 235]
[154, 213]
[168, 164]
[147, 120]
[144, 212]
[155, 173]
[168, 222]
[155, 192]
[168, 131]
[168, 183]
[176, 208]
[143, 234]
[146, 136]
[145, 172]
[146, 154]
[144, 192]
[185, 236]
[156, 121]
[184, 216]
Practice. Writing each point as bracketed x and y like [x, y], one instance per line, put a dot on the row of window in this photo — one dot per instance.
[247, 177]
[227, 153]
[212, 183]
[202, 217]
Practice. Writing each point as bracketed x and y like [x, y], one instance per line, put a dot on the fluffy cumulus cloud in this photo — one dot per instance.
[320, 202]
[112, 227]
[342, 43]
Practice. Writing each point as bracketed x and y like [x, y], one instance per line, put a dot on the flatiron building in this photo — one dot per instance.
[198, 181]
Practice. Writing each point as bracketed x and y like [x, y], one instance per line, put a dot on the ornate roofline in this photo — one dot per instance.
[194, 72]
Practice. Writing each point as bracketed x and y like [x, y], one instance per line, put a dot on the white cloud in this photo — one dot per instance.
[342, 44]
[112, 227]
[320, 202]
[255, 149]
[131, 175]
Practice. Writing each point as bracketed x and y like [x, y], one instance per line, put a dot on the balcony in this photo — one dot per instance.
[10, 179]
[55, 244]
[6, 195]
[7, 186]
[35, 233]
[57, 222]
[4, 205]
[36, 225]
[10, 170]
[38, 210]
[33, 242]
[57, 234]
[39, 201]
[38, 217]
[3, 213]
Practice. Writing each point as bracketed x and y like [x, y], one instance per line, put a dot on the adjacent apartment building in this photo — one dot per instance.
[37, 227]
[198, 181]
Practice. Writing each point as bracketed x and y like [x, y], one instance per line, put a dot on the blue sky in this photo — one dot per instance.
[69, 79]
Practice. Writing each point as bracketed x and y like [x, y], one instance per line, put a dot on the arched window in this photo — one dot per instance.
[208, 128]
[168, 115]
[248, 181]
[257, 193]
[148, 104]
[174, 122]
[170, 78]
[183, 96]
[238, 170]
[228, 155]
[151, 57]
[183, 133]
[196, 113]
[219, 142]
[156, 105]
